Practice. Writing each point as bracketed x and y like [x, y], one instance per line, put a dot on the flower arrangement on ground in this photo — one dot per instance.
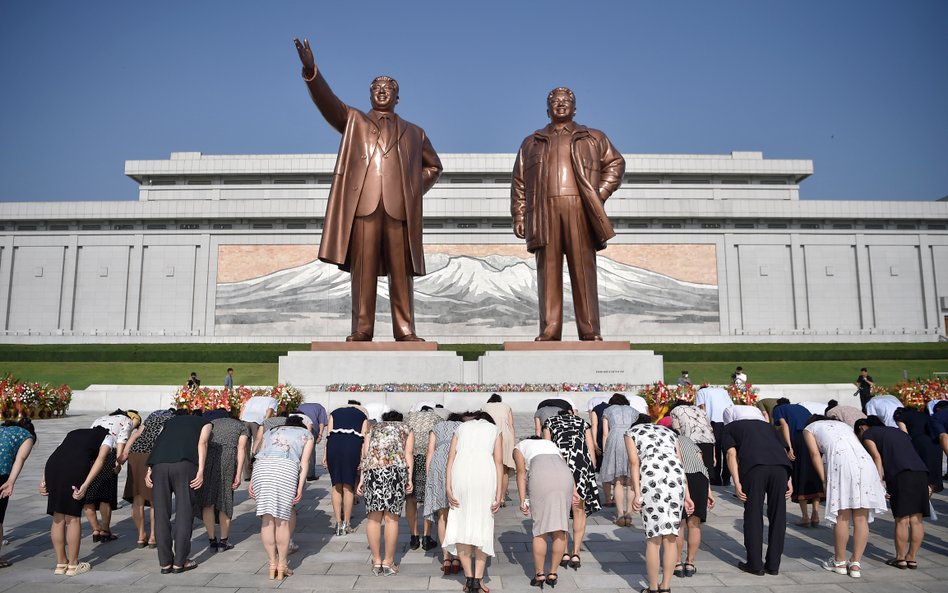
[208, 398]
[31, 399]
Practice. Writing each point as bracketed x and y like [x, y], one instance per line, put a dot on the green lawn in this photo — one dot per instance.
[80, 365]
[80, 375]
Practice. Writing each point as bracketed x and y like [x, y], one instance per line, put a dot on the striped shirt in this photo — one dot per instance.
[691, 457]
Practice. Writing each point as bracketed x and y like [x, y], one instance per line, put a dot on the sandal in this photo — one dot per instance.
[679, 571]
[389, 571]
[107, 536]
[575, 562]
[96, 536]
[283, 571]
[188, 565]
[911, 564]
[74, 569]
[377, 569]
[552, 579]
[689, 572]
[481, 587]
[141, 544]
[446, 566]
[897, 563]
[455, 565]
[647, 590]
[152, 544]
[538, 580]
[564, 561]
[167, 569]
[61, 569]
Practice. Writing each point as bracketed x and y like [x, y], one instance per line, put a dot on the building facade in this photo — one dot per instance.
[708, 248]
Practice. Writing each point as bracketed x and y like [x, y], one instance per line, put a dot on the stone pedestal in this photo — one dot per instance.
[369, 362]
[570, 362]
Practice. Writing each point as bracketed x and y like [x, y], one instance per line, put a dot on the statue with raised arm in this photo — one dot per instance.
[373, 222]
[561, 179]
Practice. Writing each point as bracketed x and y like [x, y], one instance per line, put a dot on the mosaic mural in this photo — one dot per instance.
[469, 291]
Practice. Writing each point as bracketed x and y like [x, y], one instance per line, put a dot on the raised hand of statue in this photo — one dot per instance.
[306, 55]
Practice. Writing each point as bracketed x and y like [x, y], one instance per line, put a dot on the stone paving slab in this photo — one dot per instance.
[613, 557]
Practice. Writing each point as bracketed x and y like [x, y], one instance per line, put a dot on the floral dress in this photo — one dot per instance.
[385, 468]
[661, 478]
[569, 434]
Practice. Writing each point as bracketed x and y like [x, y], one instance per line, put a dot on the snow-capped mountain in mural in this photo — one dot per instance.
[495, 291]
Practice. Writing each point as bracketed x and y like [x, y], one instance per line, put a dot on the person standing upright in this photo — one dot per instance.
[563, 175]
[864, 387]
[760, 468]
[229, 380]
[714, 400]
[374, 214]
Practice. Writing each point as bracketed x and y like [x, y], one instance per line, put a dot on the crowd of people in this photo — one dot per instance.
[449, 473]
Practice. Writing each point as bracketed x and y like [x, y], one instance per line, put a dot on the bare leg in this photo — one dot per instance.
[558, 549]
[106, 511]
[442, 527]
[803, 512]
[347, 501]
[618, 488]
[579, 527]
[539, 554]
[860, 533]
[480, 562]
[57, 533]
[653, 546]
[337, 502]
[73, 535]
[281, 530]
[207, 516]
[815, 515]
[138, 516]
[91, 517]
[465, 554]
[373, 532]
[268, 538]
[151, 531]
[918, 534]
[901, 536]
[411, 514]
[426, 529]
[841, 534]
[391, 537]
[225, 525]
[668, 559]
[694, 538]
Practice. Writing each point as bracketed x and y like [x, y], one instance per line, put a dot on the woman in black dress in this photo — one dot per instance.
[573, 435]
[343, 454]
[66, 479]
[915, 423]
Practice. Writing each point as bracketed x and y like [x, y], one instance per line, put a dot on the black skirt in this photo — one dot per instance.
[806, 482]
[908, 494]
[104, 487]
[698, 491]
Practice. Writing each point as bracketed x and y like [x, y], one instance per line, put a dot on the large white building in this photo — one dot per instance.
[709, 248]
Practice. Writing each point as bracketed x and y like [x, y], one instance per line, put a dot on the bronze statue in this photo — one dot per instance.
[373, 219]
[562, 177]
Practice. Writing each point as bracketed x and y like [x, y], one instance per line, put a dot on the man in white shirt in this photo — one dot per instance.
[743, 413]
[884, 406]
[714, 400]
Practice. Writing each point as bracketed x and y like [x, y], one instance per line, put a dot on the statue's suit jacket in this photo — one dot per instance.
[417, 159]
[598, 168]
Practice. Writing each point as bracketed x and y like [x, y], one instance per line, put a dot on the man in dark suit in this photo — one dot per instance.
[760, 467]
[562, 177]
[373, 218]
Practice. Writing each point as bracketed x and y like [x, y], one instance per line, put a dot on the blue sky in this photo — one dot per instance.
[859, 87]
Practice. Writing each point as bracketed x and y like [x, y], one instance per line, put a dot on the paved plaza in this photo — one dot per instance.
[613, 557]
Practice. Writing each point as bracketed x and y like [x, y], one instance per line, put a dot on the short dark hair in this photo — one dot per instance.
[229, 369]
[863, 369]
[684, 372]
[816, 418]
[495, 398]
[296, 421]
[455, 417]
[831, 404]
[940, 406]
[642, 419]
[481, 415]
[874, 421]
[194, 374]
[618, 399]
[740, 368]
[392, 416]
[859, 424]
[354, 402]
[783, 400]
[426, 408]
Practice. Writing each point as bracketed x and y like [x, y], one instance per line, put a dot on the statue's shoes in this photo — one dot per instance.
[546, 338]
[359, 337]
[409, 338]
[592, 338]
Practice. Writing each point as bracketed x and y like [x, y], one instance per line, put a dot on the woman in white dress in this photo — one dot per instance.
[852, 486]
[475, 491]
